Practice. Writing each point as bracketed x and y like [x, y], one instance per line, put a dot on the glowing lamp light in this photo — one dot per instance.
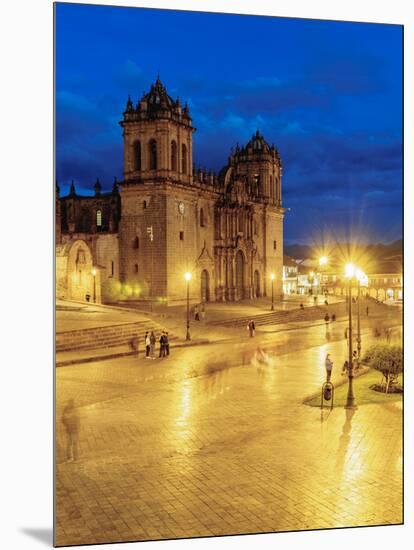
[94, 272]
[311, 273]
[187, 276]
[323, 260]
[349, 270]
[272, 276]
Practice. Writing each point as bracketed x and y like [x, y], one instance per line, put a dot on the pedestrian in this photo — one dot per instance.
[162, 345]
[333, 317]
[302, 306]
[326, 319]
[147, 345]
[196, 314]
[203, 312]
[355, 361]
[166, 344]
[315, 299]
[251, 328]
[367, 311]
[346, 333]
[345, 368]
[71, 421]
[152, 345]
[328, 367]
[326, 302]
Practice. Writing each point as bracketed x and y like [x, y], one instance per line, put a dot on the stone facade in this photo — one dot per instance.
[169, 217]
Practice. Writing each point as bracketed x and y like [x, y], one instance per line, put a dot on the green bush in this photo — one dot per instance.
[388, 360]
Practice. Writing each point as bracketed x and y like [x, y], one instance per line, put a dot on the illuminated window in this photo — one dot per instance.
[99, 218]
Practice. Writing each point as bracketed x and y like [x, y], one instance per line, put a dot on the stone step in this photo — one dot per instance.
[109, 336]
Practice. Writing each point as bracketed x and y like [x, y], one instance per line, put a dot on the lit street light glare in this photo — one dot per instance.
[272, 276]
[187, 276]
[349, 270]
[323, 260]
[94, 272]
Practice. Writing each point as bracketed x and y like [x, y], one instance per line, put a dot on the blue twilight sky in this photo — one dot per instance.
[327, 94]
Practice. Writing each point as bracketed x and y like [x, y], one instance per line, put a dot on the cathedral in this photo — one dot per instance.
[167, 218]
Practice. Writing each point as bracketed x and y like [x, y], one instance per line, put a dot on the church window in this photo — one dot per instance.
[137, 155]
[99, 218]
[184, 158]
[181, 235]
[202, 221]
[152, 149]
[274, 245]
[136, 268]
[112, 268]
[144, 205]
[136, 242]
[174, 155]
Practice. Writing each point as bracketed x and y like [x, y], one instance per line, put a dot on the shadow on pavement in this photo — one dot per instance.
[43, 535]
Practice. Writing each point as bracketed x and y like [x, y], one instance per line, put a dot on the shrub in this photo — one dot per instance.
[387, 359]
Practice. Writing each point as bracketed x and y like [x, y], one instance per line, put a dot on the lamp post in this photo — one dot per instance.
[272, 278]
[94, 284]
[350, 399]
[187, 277]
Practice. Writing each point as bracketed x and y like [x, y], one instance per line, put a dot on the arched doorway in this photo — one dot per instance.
[240, 274]
[205, 286]
[256, 284]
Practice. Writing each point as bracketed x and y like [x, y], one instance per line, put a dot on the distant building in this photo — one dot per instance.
[290, 275]
[166, 217]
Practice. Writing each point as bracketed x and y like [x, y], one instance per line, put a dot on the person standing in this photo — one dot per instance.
[196, 314]
[367, 311]
[326, 319]
[147, 345]
[71, 422]
[166, 344]
[162, 345]
[251, 328]
[152, 345]
[328, 367]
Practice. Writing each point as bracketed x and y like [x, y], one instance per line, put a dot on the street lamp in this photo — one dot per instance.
[272, 278]
[187, 277]
[94, 284]
[350, 399]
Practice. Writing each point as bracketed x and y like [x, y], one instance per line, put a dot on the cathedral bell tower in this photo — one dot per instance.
[155, 192]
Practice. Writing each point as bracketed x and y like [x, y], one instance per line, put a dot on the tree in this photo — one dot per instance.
[388, 360]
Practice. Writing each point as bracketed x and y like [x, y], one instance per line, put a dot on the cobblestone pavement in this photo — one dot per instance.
[165, 452]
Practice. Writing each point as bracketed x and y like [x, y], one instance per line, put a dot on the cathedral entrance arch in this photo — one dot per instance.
[256, 284]
[240, 274]
[205, 286]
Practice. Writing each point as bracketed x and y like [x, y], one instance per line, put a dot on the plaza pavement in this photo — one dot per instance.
[209, 442]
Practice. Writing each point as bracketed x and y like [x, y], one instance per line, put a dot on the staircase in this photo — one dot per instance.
[309, 313]
[108, 336]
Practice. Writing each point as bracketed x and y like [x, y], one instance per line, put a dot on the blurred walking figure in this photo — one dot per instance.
[345, 368]
[152, 345]
[71, 421]
[251, 328]
[326, 302]
[203, 312]
[328, 367]
[367, 310]
[315, 299]
[163, 351]
[167, 344]
[196, 314]
[333, 317]
[147, 345]
[346, 333]
[326, 319]
[302, 306]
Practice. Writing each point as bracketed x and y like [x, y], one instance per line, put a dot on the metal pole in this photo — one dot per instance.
[359, 322]
[94, 289]
[350, 399]
[273, 300]
[152, 272]
[188, 312]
